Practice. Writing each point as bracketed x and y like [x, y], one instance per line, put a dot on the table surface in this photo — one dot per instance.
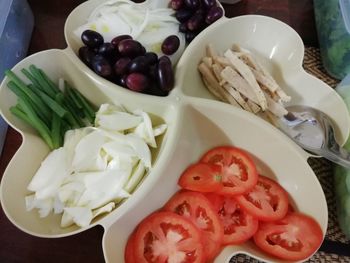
[50, 16]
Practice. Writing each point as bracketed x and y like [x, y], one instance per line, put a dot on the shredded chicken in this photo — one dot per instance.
[238, 78]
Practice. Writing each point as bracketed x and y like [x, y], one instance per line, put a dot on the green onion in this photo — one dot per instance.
[56, 131]
[86, 106]
[43, 84]
[36, 122]
[43, 113]
[35, 98]
[49, 81]
[46, 108]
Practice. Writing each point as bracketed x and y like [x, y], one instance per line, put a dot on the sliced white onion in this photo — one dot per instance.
[141, 148]
[135, 178]
[145, 129]
[51, 173]
[102, 188]
[87, 155]
[118, 121]
[82, 216]
[66, 219]
[104, 209]
[95, 169]
[160, 129]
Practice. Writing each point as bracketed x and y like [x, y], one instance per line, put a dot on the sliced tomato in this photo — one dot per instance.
[267, 201]
[167, 237]
[201, 177]
[239, 226]
[197, 208]
[295, 237]
[238, 170]
[129, 250]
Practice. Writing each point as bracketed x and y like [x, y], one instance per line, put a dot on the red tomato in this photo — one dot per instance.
[239, 226]
[201, 177]
[167, 237]
[238, 169]
[267, 201]
[295, 237]
[196, 207]
[129, 250]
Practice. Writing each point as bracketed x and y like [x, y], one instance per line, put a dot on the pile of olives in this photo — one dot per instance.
[195, 15]
[125, 62]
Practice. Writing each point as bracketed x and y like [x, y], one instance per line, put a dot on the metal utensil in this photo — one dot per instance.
[313, 130]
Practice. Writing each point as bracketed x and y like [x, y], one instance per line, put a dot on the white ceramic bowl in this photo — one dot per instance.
[196, 123]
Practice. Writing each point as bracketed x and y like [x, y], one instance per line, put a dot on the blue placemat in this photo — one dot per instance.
[16, 25]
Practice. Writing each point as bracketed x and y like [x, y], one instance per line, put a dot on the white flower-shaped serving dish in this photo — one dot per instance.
[196, 122]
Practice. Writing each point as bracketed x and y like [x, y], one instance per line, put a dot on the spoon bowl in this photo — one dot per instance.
[313, 130]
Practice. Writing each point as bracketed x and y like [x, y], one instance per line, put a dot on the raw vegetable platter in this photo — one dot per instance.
[196, 122]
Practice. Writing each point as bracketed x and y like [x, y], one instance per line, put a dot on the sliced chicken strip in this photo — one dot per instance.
[224, 62]
[275, 107]
[211, 83]
[213, 91]
[210, 51]
[269, 83]
[217, 68]
[284, 97]
[247, 74]
[239, 83]
[237, 96]
[255, 108]
[208, 61]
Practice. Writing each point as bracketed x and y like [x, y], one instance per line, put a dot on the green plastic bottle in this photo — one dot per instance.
[341, 174]
[332, 19]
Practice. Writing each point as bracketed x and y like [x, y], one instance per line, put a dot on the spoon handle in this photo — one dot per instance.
[333, 151]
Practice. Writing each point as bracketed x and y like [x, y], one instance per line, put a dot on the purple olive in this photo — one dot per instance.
[165, 74]
[115, 41]
[207, 4]
[183, 15]
[92, 39]
[190, 35]
[138, 64]
[153, 89]
[137, 82]
[183, 27]
[101, 66]
[192, 4]
[196, 22]
[86, 55]
[121, 66]
[170, 45]
[214, 14]
[122, 81]
[130, 48]
[151, 57]
[106, 50]
[176, 4]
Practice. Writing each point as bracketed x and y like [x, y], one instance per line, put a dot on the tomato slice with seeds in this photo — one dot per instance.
[129, 250]
[239, 226]
[295, 237]
[267, 201]
[238, 170]
[167, 237]
[197, 208]
[201, 177]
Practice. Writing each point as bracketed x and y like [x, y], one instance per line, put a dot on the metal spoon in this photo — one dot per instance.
[313, 130]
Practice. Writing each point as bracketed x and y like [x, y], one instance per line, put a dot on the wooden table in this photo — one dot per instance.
[50, 16]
